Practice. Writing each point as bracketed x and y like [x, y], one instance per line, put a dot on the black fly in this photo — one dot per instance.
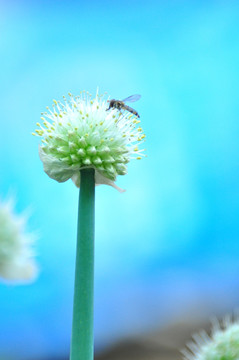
[120, 104]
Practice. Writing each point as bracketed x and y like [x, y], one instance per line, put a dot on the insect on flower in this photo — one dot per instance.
[79, 133]
[120, 104]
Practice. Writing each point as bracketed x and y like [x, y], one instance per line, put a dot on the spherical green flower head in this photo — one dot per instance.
[16, 255]
[80, 133]
[223, 344]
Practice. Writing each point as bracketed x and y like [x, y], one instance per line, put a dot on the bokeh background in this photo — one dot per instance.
[167, 249]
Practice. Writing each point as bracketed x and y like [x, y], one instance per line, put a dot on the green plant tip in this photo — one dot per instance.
[223, 344]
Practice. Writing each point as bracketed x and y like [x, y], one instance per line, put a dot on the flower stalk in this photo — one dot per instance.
[86, 140]
[82, 341]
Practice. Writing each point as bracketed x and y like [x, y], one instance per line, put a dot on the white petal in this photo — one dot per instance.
[76, 179]
[99, 180]
[13, 271]
[55, 168]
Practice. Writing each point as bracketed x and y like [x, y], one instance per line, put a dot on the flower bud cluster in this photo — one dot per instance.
[16, 254]
[80, 133]
[223, 344]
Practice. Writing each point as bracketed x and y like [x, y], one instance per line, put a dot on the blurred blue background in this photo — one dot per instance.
[168, 248]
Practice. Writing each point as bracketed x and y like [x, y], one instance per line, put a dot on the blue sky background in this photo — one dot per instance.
[167, 248]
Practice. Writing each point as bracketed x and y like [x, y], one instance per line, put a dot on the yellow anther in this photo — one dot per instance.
[81, 112]
[105, 129]
[70, 94]
[49, 131]
[38, 124]
[55, 102]
[140, 129]
[91, 126]
[52, 128]
[86, 135]
[60, 123]
[76, 128]
[101, 123]
[102, 140]
[50, 136]
[87, 115]
[136, 148]
[92, 102]
[124, 136]
[138, 158]
[39, 132]
[55, 114]
[111, 139]
[97, 107]
[75, 106]
[43, 118]
[34, 134]
[60, 115]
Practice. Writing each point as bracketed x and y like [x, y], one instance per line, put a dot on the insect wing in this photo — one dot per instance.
[132, 98]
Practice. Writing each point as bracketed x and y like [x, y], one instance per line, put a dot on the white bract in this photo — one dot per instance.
[16, 255]
[223, 344]
[79, 133]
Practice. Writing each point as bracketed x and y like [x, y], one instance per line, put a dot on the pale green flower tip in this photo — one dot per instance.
[80, 133]
[17, 262]
[223, 344]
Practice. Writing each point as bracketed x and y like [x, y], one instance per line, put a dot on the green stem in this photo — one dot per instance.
[82, 341]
